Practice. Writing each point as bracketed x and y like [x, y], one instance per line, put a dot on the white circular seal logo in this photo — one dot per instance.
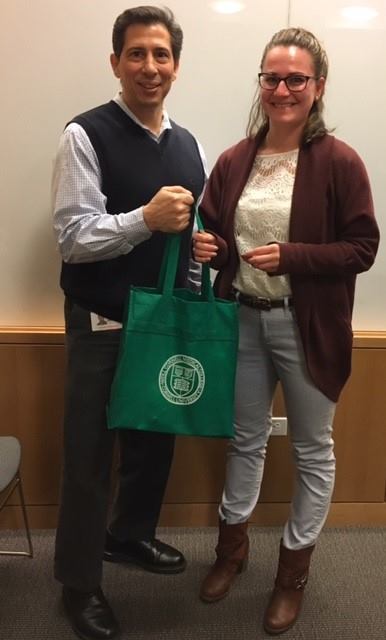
[181, 379]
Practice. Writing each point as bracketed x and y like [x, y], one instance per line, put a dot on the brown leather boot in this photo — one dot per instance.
[286, 599]
[232, 556]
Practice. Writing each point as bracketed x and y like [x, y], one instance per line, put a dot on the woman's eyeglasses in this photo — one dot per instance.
[294, 82]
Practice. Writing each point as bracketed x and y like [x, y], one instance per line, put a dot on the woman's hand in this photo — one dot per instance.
[204, 246]
[266, 258]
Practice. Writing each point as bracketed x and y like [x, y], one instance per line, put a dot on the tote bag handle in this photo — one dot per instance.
[168, 271]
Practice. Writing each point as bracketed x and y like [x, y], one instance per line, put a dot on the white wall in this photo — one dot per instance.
[356, 104]
[54, 64]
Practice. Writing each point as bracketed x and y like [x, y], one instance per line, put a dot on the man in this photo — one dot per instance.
[125, 175]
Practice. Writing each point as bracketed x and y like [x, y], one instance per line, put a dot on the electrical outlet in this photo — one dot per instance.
[279, 427]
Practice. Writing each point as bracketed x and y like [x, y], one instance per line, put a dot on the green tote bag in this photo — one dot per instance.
[177, 361]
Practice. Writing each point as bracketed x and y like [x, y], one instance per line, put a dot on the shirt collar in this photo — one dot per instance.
[166, 124]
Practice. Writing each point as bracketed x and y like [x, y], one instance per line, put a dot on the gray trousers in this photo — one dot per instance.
[270, 350]
[145, 460]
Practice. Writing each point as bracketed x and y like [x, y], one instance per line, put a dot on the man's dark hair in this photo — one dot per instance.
[147, 15]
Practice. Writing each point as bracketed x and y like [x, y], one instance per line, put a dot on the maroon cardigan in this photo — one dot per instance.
[333, 236]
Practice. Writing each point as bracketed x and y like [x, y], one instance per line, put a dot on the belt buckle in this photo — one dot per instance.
[264, 303]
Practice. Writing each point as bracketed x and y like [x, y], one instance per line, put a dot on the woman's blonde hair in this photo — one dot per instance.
[258, 123]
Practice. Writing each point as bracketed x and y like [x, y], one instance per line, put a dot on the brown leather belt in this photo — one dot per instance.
[263, 303]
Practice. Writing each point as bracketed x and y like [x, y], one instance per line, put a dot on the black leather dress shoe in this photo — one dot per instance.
[90, 614]
[152, 555]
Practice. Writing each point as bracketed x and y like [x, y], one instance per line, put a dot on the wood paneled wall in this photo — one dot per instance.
[31, 405]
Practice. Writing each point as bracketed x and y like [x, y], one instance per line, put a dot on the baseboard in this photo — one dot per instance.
[274, 514]
[32, 369]
[201, 515]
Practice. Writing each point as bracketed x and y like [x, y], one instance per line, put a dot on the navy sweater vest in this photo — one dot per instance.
[134, 167]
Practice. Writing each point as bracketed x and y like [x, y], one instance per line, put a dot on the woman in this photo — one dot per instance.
[289, 222]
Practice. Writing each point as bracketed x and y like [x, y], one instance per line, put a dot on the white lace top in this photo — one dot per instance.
[262, 216]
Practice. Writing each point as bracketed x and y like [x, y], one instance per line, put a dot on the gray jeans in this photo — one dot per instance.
[270, 350]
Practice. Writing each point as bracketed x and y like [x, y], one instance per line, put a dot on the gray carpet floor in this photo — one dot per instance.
[345, 598]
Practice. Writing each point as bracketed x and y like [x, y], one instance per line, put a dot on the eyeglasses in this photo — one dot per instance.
[295, 82]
